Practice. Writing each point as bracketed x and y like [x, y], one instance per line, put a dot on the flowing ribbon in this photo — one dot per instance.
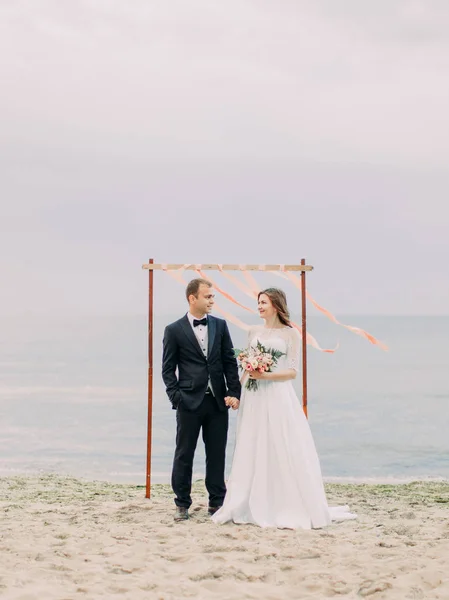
[231, 318]
[309, 338]
[312, 341]
[221, 291]
[242, 287]
[252, 283]
[178, 276]
[252, 290]
[357, 330]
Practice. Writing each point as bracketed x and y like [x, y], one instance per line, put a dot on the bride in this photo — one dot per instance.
[275, 479]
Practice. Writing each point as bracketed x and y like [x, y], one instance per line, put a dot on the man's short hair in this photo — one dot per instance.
[194, 286]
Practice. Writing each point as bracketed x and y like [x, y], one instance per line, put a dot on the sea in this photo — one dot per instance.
[73, 398]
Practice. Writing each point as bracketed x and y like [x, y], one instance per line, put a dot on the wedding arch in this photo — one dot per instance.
[250, 288]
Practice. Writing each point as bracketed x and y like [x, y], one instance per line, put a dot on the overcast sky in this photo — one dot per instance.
[210, 131]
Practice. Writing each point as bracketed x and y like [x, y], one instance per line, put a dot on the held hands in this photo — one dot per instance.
[232, 402]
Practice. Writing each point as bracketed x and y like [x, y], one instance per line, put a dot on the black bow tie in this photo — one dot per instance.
[197, 322]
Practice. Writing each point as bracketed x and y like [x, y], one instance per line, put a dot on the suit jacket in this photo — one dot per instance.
[182, 351]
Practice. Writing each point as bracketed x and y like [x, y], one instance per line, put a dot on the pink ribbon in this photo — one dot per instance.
[222, 292]
[252, 290]
[297, 282]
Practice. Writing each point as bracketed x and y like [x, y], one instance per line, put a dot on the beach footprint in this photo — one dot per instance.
[368, 588]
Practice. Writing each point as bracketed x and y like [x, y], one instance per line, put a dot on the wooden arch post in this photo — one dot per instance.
[150, 376]
[151, 267]
[304, 338]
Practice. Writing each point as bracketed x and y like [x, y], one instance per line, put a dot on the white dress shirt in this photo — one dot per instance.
[200, 332]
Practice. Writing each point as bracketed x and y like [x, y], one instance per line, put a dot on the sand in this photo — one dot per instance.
[62, 538]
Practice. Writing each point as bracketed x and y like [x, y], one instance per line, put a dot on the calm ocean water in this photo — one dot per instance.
[73, 399]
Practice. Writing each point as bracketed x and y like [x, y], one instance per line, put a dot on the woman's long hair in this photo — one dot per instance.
[279, 302]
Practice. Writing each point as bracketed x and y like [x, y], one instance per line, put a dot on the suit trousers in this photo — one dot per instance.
[214, 425]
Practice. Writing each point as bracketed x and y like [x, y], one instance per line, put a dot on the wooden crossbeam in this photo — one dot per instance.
[215, 267]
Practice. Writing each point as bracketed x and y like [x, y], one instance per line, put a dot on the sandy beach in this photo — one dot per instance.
[62, 539]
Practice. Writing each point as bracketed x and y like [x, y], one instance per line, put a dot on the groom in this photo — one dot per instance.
[199, 347]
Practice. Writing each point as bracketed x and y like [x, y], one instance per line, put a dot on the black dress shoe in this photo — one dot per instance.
[213, 509]
[182, 513]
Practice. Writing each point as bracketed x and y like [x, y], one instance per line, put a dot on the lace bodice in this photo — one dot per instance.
[285, 339]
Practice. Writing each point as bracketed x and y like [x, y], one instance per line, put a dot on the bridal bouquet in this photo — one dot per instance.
[257, 358]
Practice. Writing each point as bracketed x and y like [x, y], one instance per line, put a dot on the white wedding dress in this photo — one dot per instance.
[275, 479]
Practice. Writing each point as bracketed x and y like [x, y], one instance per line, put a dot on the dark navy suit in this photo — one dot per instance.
[186, 372]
